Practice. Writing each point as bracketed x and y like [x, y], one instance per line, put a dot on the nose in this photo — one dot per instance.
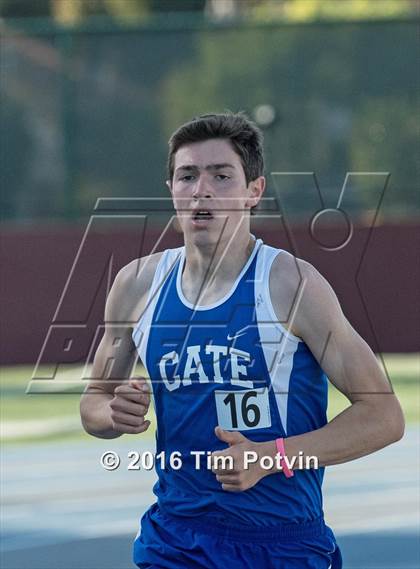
[201, 189]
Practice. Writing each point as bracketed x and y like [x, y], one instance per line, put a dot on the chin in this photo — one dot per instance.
[200, 237]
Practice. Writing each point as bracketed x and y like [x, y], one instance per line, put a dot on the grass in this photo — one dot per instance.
[404, 372]
[18, 406]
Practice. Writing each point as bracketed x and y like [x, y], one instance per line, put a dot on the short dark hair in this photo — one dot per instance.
[244, 135]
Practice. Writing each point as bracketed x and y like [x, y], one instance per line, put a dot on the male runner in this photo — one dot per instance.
[238, 343]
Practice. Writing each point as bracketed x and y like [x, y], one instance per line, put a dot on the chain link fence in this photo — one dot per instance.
[86, 112]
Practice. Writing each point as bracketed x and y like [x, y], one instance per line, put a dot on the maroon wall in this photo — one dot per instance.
[376, 277]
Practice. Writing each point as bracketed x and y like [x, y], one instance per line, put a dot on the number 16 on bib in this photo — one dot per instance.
[243, 410]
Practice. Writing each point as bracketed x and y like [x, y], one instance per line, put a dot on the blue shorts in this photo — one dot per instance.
[168, 542]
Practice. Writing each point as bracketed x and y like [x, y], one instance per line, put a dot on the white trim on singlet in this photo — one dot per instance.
[257, 245]
[278, 344]
[141, 330]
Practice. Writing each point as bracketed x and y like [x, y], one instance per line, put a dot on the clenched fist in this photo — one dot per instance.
[129, 406]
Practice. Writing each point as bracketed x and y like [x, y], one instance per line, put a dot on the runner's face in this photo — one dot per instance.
[209, 190]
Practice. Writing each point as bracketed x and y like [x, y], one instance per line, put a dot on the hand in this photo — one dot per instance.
[240, 478]
[129, 406]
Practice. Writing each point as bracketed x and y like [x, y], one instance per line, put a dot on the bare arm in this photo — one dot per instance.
[374, 419]
[113, 404]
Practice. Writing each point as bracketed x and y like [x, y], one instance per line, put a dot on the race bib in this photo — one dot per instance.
[243, 410]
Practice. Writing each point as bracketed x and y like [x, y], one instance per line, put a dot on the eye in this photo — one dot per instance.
[187, 178]
[222, 177]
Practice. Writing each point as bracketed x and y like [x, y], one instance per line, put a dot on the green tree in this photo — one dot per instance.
[74, 11]
[335, 90]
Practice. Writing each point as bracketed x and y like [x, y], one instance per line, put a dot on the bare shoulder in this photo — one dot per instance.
[286, 277]
[298, 290]
[130, 288]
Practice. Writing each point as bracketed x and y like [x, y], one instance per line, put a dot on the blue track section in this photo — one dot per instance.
[61, 510]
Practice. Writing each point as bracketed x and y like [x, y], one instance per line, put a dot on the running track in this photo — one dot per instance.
[61, 510]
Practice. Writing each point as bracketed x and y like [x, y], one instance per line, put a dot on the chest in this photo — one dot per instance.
[208, 346]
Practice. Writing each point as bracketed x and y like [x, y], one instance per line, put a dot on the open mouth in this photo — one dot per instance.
[202, 215]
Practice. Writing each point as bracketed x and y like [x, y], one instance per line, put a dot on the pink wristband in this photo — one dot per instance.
[280, 449]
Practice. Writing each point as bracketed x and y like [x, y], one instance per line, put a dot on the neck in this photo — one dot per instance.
[214, 267]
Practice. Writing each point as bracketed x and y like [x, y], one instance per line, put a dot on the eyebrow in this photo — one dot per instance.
[210, 167]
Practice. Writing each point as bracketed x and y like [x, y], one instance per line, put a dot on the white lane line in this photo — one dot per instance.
[59, 492]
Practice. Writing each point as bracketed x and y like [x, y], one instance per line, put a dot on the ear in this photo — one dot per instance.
[169, 184]
[256, 190]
